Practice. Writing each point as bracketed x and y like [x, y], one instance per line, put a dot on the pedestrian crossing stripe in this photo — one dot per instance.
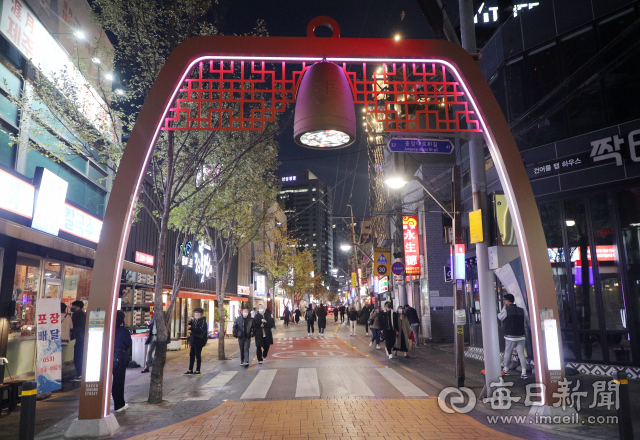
[308, 384]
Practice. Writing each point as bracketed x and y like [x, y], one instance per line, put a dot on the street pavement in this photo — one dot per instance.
[328, 387]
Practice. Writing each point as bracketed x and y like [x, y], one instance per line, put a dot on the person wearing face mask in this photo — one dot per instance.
[79, 320]
[243, 329]
[403, 333]
[198, 326]
[353, 320]
[389, 324]
[263, 322]
[297, 314]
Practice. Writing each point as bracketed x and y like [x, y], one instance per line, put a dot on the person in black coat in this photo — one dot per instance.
[287, 316]
[298, 314]
[263, 322]
[243, 330]
[353, 320]
[79, 320]
[310, 317]
[336, 310]
[389, 324]
[199, 335]
[121, 347]
[366, 312]
[342, 310]
[321, 313]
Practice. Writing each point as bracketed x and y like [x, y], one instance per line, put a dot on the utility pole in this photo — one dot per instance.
[488, 303]
[355, 255]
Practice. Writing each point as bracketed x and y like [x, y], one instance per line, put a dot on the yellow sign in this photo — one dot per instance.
[382, 261]
[475, 226]
[354, 279]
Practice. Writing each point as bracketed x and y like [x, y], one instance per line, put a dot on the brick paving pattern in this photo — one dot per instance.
[327, 419]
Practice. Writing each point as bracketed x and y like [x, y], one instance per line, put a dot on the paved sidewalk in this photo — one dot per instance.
[328, 419]
[434, 363]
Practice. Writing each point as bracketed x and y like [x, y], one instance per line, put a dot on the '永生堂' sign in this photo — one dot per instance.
[411, 244]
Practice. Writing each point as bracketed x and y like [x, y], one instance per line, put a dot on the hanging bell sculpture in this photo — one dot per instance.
[325, 117]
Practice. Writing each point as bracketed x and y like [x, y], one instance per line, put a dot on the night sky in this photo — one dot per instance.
[357, 18]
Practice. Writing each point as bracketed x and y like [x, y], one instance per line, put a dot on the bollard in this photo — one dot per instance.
[28, 410]
[625, 426]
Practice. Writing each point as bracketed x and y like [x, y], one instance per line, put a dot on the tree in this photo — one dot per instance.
[276, 256]
[300, 279]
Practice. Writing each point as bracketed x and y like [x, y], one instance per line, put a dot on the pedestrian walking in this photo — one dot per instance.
[243, 330]
[374, 325]
[322, 320]
[336, 311]
[198, 339]
[152, 342]
[366, 312]
[310, 317]
[513, 318]
[263, 322]
[121, 347]
[297, 314]
[414, 320]
[287, 316]
[66, 326]
[353, 319]
[389, 323]
[79, 320]
[403, 333]
[343, 309]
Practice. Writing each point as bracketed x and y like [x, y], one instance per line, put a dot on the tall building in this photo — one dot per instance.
[308, 208]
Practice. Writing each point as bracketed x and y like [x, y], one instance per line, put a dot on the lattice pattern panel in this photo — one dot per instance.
[245, 95]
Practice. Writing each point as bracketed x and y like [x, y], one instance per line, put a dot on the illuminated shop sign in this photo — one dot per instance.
[411, 244]
[289, 179]
[18, 196]
[489, 14]
[261, 286]
[144, 258]
[48, 211]
[200, 261]
[20, 26]
[244, 290]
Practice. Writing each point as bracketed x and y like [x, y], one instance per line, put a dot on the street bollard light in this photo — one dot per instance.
[28, 410]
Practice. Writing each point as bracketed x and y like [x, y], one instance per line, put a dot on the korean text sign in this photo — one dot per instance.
[49, 345]
[411, 244]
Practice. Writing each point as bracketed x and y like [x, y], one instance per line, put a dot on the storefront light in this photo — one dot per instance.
[570, 222]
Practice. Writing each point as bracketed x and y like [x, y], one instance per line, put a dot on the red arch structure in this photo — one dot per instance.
[240, 70]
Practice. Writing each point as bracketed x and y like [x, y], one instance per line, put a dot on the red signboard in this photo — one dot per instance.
[411, 244]
[144, 258]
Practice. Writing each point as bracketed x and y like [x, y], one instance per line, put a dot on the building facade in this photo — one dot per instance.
[565, 75]
[308, 208]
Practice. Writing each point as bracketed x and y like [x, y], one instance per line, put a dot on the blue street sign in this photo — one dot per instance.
[438, 146]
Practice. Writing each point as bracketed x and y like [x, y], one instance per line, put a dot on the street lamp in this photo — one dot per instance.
[324, 116]
[395, 181]
[345, 247]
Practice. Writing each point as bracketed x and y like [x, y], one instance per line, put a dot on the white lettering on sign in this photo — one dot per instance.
[91, 389]
[25, 31]
[16, 195]
[490, 14]
[81, 224]
[609, 148]
[203, 266]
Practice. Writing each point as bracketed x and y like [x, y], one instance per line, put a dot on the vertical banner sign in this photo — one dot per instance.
[49, 345]
[475, 226]
[354, 279]
[411, 244]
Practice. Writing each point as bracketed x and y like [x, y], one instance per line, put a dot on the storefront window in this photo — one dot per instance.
[607, 262]
[25, 284]
[581, 276]
[77, 282]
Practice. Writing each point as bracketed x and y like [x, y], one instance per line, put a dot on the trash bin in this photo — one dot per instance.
[138, 348]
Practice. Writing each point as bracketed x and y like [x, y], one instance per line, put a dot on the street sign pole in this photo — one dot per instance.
[458, 278]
